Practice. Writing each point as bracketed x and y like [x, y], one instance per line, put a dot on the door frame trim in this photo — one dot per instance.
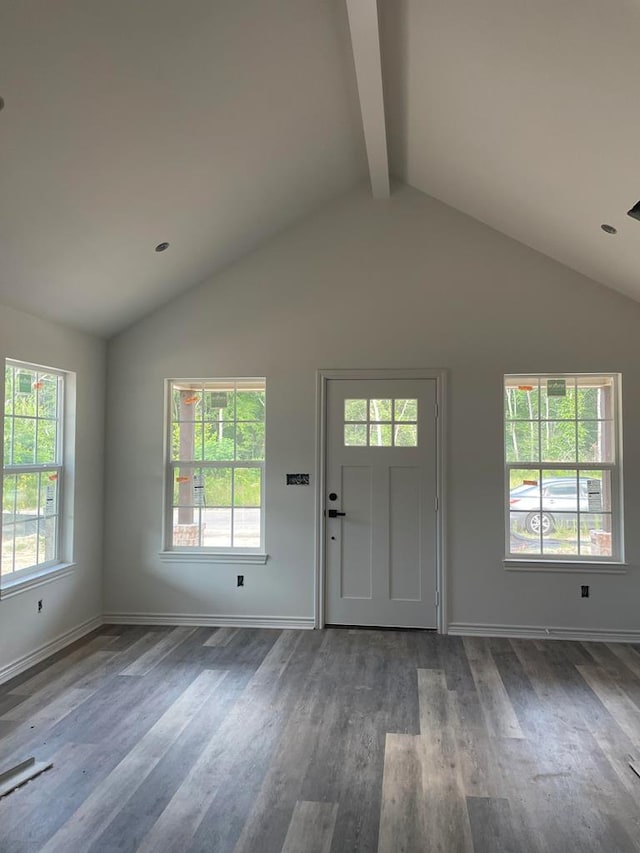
[440, 377]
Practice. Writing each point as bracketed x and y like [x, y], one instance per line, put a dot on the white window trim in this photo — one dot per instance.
[614, 564]
[34, 576]
[185, 554]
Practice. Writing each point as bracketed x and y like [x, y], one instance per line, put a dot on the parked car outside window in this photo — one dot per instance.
[559, 495]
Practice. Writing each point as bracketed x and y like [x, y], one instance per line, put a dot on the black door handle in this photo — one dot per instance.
[333, 513]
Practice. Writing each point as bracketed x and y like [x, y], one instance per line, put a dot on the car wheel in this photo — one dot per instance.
[534, 521]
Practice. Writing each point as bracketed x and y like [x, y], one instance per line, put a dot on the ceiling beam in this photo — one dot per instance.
[365, 42]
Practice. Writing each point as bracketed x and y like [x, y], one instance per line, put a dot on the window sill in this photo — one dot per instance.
[212, 557]
[10, 588]
[570, 566]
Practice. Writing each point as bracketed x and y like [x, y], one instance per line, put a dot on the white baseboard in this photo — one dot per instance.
[209, 621]
[532, 632]
[18, 666]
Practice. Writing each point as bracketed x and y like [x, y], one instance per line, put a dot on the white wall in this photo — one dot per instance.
[71, 601]
[404, 283]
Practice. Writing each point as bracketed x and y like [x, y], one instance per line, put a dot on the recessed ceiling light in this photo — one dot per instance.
[609, 229]
[161, 247]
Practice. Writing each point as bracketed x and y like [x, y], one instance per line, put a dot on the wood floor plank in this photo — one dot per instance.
[446, 821]
[145, 663]
[492, 825]
[629, 656]
[499, 713]
[311, 828]
[221, 637]
[402, 826]
[623, 710]
[474, 747]
[104, 802]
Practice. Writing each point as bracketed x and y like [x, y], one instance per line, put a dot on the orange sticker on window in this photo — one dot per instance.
[38, 385]
[190, 400]
[529, 482]
[53, 477]
[525, 387]
[182, 479]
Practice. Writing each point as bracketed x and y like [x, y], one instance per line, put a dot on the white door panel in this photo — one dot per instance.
[381, 466]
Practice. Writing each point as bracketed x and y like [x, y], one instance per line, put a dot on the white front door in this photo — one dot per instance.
[381, 483]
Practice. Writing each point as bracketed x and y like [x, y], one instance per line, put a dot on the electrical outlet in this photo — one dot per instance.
[585, 591]
[40, 605]
[240, 580]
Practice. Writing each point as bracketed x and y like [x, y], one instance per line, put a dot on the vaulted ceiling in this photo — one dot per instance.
[213, 124]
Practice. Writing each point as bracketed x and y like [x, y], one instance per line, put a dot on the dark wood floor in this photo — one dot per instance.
[200, 739]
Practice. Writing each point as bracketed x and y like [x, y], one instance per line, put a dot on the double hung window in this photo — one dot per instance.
[215, 466]
[563, 479]
[33, 469]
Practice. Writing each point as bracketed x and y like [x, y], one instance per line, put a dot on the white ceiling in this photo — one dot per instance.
[526, 115]
[208, 123]
[215, 123]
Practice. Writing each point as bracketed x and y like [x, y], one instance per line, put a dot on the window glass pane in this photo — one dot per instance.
[9, 381]
[380, 435]
[8, 498]
[219, 444]
[595, 491]
[217, 528]
[27, 492]
[355, 410]
[219, 402]
[217, 482]
[596, 441]
[558, 440]
[522, 539]
[524, 506]
[187, 402]
[48, 493]
[405, 410]
[246, 528]
[46, 445]
[249, 441]
[249, 403]
[559, 532]
[25, 393]
[183, 487]
[355, 435]
[7, 548]
[47, 387]
[595, 397]
[24, 441]
[595, 535]
[406, 435]
[186, 441]
[26, 542]
[380, 410]
[558, 398]
[522, 441]
[521, 398]
[48, 545]
[187, 529]
[8, 434]
[246, 490]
